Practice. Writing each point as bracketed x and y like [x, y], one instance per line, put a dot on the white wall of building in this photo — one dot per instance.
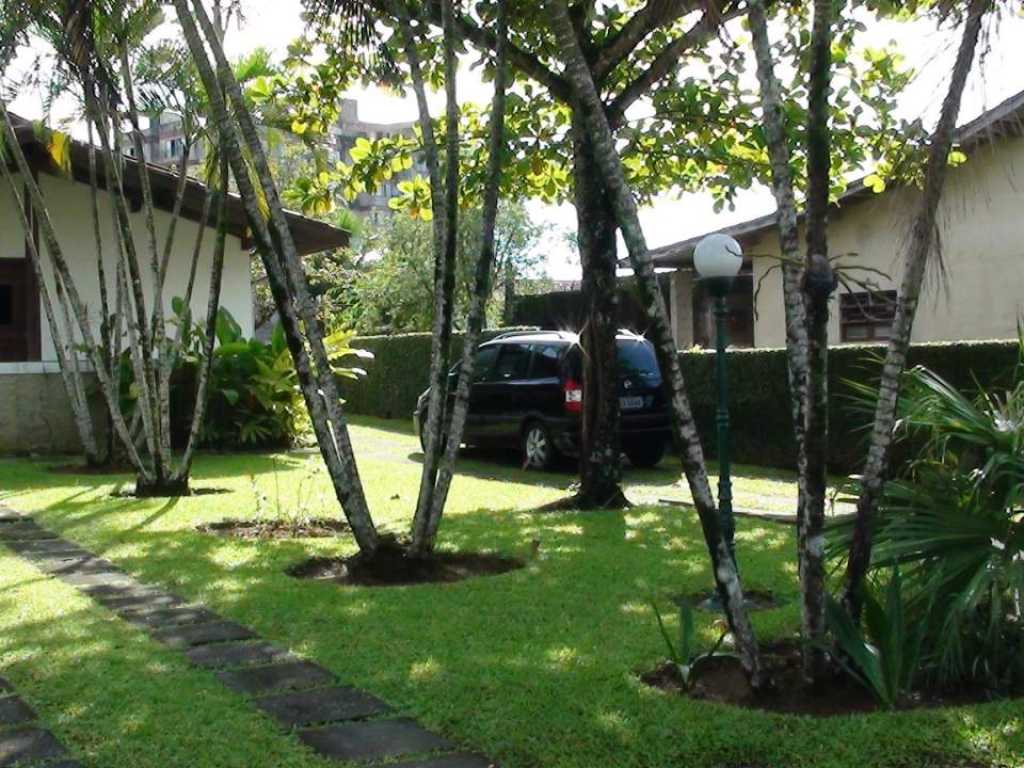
[69, 207]
[981, 294]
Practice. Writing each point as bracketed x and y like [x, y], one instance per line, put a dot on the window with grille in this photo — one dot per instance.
[866, 315]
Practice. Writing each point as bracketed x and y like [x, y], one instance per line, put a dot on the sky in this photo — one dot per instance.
[999, 74]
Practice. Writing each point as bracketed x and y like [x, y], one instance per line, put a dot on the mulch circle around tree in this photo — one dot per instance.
[312, 528]
[721, 679]
[755, 600]
[391, 566]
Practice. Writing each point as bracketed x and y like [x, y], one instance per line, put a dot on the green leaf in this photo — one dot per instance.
[875, 183]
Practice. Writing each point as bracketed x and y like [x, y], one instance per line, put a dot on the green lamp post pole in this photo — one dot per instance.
[718, 259]
[726, 520]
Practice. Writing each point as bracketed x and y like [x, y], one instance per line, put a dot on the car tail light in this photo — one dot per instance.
[573, 396]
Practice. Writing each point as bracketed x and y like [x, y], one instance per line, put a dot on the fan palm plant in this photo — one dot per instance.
[954, 522]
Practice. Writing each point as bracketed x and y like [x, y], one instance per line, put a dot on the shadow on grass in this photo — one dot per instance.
[511, 664]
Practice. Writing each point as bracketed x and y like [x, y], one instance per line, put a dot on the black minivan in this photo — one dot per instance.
[527, 392]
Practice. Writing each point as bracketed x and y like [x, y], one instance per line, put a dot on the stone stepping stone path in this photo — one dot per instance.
[23, 743]
[336, 721]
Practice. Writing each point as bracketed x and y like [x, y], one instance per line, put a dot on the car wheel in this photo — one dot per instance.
[645, 455]
[538, 449]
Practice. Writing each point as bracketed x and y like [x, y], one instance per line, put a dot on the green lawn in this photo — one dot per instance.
[535, 668]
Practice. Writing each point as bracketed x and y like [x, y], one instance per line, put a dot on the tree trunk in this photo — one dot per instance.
[819, 282]
[481, 282]
[508, 308]
[600, 463]
[445, 245]
[212, 306]
[685, 429]
[101, 276]
[140, 342]
[284, 272]
[915, 261]
[160, 394]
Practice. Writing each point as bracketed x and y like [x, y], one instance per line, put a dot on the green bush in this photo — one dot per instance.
[759, 393]
[953, 520]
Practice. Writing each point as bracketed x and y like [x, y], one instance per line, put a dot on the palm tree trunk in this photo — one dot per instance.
[101, 275]
[160, 394]
[212, 306]
[481, 282]
[140, 344]
[284, 273]
[915, 261]
[685, 429]
[445, 235]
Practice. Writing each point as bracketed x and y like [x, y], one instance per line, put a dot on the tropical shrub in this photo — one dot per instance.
[684, 655]
[255, 400]
[953, 520]
[884, 655]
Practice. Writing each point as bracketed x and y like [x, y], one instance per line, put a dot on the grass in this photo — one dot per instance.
[535, 668]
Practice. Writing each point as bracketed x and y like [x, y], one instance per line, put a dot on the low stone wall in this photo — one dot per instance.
[36, 417]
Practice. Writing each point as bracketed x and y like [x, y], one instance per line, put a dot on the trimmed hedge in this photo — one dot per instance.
[759, 412]
[759, 393]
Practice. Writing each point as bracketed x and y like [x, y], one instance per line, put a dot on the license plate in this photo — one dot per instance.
[631, 403]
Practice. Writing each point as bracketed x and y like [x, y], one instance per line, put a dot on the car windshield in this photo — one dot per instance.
[636, 358]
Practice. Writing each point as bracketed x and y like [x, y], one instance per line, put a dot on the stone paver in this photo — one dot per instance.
[296, 693]
[203, 634]
[107, 594]
[461, 760]
[289, 676]
[105, 578]
[43, 548]
[325, 705]
[162, 617]
[14, 711]
[93, 565]
[28, 745]
[237, 655]
[149, 601]
[24, 531]
[373, 740]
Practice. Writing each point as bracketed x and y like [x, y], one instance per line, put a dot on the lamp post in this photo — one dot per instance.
[717, 259]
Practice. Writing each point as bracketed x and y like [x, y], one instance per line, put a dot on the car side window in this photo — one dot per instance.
[546, 361]
[513, 362]
[483, 365]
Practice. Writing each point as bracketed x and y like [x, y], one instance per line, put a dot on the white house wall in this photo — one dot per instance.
[12, 238]
[68, 204]
[981, 295]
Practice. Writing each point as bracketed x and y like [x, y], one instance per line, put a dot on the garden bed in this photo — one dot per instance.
[721, 679]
